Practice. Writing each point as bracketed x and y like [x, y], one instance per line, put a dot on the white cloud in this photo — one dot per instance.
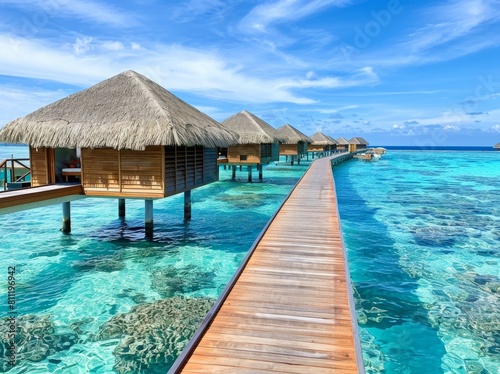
[82, 45]
[280, 11]
[452, 21]
[112, 46]
[362, 77]
[31, 99]
[135, 46]
[86, 10]
[336, 110]
[495, 128]
[175, 67]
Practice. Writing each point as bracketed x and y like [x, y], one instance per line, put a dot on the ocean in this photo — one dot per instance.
[422, 231]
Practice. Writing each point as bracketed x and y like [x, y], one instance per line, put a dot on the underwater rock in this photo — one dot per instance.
[153, 335]
[101, 263]
[435, 236]
[35, 339]
[170, 281]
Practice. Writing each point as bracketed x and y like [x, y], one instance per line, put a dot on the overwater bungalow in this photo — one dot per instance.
[357, 144]
[258, 143]
[294, 144]
[497, 146]
[342, 144]
[322, 145]
[125, 137]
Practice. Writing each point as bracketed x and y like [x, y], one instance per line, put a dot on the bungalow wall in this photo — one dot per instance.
[302, 148]
[250, 154]
[112, 172]
[189, 167]
[156, 172]
[244, 154]
[275, 151]
[42, 166]
[288, 149]
[352, 148]
[316, 148]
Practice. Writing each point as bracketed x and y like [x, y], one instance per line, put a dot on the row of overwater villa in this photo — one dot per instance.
[127, 137]
[289, 307]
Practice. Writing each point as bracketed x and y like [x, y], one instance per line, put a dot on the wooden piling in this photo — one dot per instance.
[233, 173]
[259, 166]
[121, 208]
[187, 205]
[148, 222]
[66, 217]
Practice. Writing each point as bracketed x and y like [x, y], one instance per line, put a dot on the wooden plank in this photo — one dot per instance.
[290, 309]
[17, 200]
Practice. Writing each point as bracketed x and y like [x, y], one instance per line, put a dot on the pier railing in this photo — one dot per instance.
[9, 167]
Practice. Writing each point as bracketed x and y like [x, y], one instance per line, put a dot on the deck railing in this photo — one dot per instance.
[9, 166]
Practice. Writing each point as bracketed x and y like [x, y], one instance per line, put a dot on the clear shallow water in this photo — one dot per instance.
[71, 286]
[422, 231]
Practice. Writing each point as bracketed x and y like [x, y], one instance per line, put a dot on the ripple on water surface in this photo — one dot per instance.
[421, 230]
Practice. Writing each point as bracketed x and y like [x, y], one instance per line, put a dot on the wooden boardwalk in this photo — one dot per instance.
[34, 197]
[290, 309]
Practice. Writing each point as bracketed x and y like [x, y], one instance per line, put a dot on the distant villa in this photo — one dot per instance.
[497, 146]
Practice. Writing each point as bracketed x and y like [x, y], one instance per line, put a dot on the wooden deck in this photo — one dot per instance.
[34, 197]
[289, 309]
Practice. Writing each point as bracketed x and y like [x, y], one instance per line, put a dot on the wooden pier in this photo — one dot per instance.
[289, 307]
[35, 197]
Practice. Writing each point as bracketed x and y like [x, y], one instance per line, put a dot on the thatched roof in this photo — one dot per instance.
[319, 138]
[127, 111]
[342, 141]
[497, 146]
[358, 140]
[251, 129]
[291, 135]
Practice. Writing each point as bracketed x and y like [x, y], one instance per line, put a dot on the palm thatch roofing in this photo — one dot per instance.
[497, 146]
[358, 140]
[127, 111]
[251, 129]
[319, 138]
[342, 141]
[291, 135]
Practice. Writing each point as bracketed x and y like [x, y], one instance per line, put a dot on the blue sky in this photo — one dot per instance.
[424, 73]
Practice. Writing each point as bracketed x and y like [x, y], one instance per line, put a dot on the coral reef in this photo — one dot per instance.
[35, 339]
[170, 281]
[153, 335]
[100, 263]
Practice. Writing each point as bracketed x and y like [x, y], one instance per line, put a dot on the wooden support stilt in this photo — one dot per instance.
[292, 157]
[66, 218]
[241, 167]
[286, 158]
[298, 159]
[121, 208]
[259, 166]
[249, 168]
[187, 205]
[225, 167]
[148, 218]
[233, 173]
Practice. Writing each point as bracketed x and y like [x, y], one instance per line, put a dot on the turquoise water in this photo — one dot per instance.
[71, 286]
[422, 231]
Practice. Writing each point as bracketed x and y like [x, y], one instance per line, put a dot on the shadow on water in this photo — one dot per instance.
[386, 303]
